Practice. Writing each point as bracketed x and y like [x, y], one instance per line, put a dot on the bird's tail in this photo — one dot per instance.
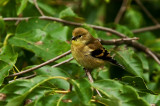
[114, 62]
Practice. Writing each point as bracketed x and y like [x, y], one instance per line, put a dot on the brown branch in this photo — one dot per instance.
[147, 12]
[145, 49]
[27, 77]
[41, 65]
[91, 79]
[69, 23]
[150, 53]
[118, 41]
[134, 44]
[36, 5]
[121, 11]
[150, 28]
[63, 62]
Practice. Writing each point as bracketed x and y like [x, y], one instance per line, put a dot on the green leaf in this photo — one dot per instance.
[83, 90]
[68, 14]
[133, 18]
[49, 71]
[144, 60]
[150, 98]
[46, 8]
[154, 45]
[117, 94]
[3, 2]
[112, 101]
[16, 97]
[138, 83]
[25, 26]
[50, 100]
[23, 4]
[128, 60]
[2, 26]
[71, 99]
[45, 42]
[123, 29]
[7, 60]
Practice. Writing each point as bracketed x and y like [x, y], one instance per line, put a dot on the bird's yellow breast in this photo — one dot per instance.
[82, 54]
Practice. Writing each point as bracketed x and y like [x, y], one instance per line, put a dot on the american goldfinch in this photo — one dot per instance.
[88, 51]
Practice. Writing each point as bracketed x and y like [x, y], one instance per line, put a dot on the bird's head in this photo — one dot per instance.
[81, 35]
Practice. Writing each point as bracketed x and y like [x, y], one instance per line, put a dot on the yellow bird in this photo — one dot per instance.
[88, 51]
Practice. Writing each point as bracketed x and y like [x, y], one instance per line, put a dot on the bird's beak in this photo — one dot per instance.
[73, 38]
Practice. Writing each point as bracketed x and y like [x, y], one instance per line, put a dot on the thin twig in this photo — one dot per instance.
[144, 49]
[91, 80]
[41, 65]
[150, 28]
[151, 54]
[147, 12]
[63, 62]
[134, 44]
[27, 77]
[69, 23]
[121, 11]
[36, 5]
[118, 41]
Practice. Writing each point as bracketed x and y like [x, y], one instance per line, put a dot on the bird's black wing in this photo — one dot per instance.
[103, 54]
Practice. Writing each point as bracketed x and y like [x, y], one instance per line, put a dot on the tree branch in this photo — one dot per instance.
[150, 28]
[121, 11]
[41, 65]
[63, 62]
[118, 41]
[36, 5]
[68, 23]
[148, 51]
[91, 79]
[147, 12]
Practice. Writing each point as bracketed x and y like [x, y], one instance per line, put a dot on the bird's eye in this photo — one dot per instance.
[79, 36]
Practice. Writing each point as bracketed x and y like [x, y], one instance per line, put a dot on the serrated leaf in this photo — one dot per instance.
[45, 41]
[83, 90]
[51, 100]
[23, 87]
[122, 94]
[49, 71]
[138, 83]
[128, 60]
[7, 60]
[68, 14]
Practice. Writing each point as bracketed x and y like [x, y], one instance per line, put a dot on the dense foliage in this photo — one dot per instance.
[27, 43]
